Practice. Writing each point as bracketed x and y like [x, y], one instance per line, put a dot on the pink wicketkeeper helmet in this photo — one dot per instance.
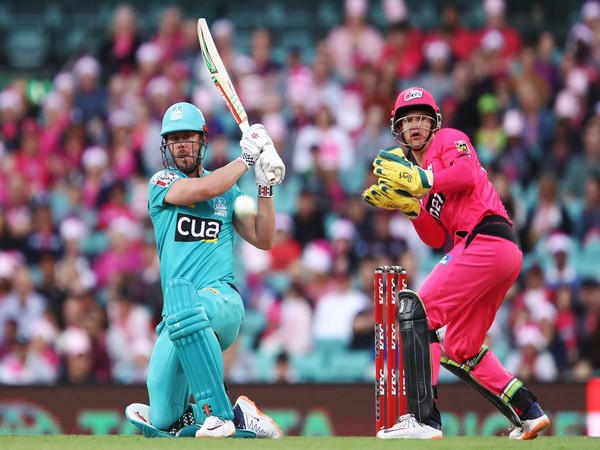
[411, 99]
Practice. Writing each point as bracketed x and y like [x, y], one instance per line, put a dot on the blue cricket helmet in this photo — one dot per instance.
[183, 116]
[178, 118]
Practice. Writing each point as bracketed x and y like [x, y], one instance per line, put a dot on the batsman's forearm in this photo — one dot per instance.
[265, 223]
[186, 191]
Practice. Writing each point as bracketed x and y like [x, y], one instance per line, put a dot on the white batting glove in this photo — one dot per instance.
[272, 164]
[253, 141]
[264, 187]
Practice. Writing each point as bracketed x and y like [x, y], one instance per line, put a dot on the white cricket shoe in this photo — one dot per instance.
[216, 427]
[534, 422]
[249, 417]
[409, 428]
[139, 415]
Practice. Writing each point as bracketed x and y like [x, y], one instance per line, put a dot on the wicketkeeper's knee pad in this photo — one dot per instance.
[197, 347]
[414, 329]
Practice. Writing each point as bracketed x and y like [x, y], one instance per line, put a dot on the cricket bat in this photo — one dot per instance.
[221, 79]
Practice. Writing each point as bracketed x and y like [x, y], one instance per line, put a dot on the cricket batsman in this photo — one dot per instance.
[194, 214]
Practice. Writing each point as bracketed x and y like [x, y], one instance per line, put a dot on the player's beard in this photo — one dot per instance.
[187, 163]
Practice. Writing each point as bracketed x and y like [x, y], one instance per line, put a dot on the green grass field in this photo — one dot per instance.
[70, 442]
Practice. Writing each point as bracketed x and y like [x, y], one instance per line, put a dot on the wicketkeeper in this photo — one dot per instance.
[436, 179]
[194, 218]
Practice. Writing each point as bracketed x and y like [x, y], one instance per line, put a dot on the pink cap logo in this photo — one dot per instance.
[411, 94]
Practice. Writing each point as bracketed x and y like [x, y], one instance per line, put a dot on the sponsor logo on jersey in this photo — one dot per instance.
[213, 290]
[164, 178]
[445, 260]
[412, 94]
[192, 229]
[220, 207]
[462, 146]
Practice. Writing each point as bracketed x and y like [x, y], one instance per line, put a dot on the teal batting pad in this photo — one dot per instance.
[197, 348]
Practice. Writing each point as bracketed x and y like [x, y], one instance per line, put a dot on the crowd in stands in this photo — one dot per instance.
[79, 274]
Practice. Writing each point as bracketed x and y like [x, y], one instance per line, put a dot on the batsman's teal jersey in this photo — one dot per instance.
[195, 241]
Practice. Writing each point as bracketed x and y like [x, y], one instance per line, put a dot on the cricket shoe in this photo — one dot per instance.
[534, 421]
[249, 417]
[215, 427]
[139, 415]
[409, 428]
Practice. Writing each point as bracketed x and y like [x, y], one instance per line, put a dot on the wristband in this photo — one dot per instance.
[264, 190]
[247, 158]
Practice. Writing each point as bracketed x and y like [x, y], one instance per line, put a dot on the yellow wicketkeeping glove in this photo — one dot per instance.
[385, 197]
[396, 171]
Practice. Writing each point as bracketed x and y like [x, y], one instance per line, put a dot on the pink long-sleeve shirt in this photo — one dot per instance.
[461, 195]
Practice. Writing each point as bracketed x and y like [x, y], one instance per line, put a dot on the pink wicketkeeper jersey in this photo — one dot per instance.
[456, 208]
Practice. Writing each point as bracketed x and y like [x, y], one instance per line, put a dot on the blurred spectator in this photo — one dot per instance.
[567, 326]
[97, 176]
[495, 21]
[73, 272]
[549, 215]
[262, 75]
[75, 349]
[89, 98]
[123, 149]
[169, 36]
[490, 138]
[30, 162]
[239, 365]
[322, 145]
[382, 240]
[401, 57]
[115, 206]
[589, 327]
[22, 304]
[355, 41]
[54, 123]
[13, 109]
[14, 366]
[436, 76]
[335, 310]
[94, 322]
[130, 334]
[533, 305]
[531, 361]
[462, 40]
[9, 337]
[49, 287]
[309, 218]
[561, 271]
[374, 136]
[122, 257]
[224, 34]
[588, 225]
[284, 371]
[117, 52]
[293, 333]
[285, 250]
[44, 237]
[363, 329]
[580, 166]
